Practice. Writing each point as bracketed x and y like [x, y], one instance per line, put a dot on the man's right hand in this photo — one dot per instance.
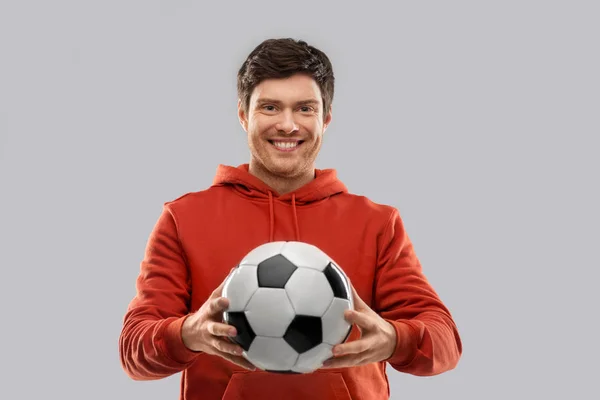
[205, 331]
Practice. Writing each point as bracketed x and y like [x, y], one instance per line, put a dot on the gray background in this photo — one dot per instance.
[478, 120]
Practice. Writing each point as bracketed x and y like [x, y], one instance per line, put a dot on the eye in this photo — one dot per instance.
[268, 107]
[306, 109]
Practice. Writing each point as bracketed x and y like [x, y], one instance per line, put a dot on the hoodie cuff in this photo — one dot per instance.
[173, 342]
[407, 344]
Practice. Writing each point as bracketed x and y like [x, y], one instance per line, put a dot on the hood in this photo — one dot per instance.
[325, 185]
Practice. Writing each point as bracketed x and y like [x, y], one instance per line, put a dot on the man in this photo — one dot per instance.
[174, 324]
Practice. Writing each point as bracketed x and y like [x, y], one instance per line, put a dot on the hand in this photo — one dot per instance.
[377, 341]
[206, 332]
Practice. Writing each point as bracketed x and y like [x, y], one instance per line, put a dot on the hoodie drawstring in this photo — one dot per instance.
[295, 217]
[272, 218]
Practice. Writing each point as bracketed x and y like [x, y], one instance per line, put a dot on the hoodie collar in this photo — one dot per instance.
[325, 185]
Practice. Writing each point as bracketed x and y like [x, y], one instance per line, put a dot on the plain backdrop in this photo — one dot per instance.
[479, 120]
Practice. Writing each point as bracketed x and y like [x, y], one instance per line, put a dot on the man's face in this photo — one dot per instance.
[285, 125]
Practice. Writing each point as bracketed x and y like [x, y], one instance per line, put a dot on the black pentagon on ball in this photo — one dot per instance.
[337, 281]
[245, 334]
[274, 272]
[304, 333]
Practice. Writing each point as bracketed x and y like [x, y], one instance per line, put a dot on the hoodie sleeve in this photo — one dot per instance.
[428, 340]
[150, 343]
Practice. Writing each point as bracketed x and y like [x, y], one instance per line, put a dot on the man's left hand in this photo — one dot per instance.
[377, 341]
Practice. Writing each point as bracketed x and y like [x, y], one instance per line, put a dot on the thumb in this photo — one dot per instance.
[359, 304]
[219, 290]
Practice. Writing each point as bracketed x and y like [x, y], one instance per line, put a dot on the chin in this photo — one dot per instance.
[286, 170]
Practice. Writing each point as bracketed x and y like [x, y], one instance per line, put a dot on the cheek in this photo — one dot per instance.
[316, 133]
[258, 128]
[254, 131]
[315, 128]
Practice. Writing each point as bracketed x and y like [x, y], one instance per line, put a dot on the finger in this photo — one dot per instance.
[238, 360]
[359, 304]
[227, 346]
[219, 289]
[354, 347]
[361, 319]
[220, 329]
[218, 305]
[351, 360]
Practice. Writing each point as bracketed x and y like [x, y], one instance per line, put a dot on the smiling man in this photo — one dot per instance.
[174, 324]
[285, 120]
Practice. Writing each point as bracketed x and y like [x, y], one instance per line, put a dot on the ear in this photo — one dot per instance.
[242, 116]
[327, 119]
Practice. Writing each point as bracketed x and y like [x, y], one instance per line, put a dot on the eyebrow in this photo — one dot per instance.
[301, 102]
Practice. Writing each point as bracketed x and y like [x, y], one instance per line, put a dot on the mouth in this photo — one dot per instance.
[286, 145]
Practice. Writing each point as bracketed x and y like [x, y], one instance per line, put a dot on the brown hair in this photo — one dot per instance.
[282, 58]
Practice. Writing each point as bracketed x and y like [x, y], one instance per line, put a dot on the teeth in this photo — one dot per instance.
[285, 145]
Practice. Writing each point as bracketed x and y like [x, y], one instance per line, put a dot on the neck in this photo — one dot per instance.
[281, 184]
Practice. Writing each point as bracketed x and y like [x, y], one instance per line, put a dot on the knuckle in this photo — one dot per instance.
[217, 344]
[210, 327]
[231, 349]
[228, 348]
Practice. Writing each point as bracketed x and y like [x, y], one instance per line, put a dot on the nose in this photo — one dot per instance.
[286, 123]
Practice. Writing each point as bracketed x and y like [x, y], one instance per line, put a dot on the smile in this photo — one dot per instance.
[286, 145]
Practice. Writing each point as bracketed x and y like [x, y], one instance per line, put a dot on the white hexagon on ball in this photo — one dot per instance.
[240, 287]
[305, 255]
[313, 359]
[309, 291]
[269, 353]
[335, 326]
[269, 312]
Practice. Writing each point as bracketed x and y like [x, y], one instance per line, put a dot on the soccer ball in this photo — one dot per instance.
[287, 302]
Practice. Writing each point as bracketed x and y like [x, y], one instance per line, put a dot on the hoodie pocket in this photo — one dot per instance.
[265, 385]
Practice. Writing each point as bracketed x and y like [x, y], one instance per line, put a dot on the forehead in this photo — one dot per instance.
[294, 88]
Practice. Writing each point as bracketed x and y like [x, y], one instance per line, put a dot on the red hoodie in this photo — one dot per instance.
[200, 236]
